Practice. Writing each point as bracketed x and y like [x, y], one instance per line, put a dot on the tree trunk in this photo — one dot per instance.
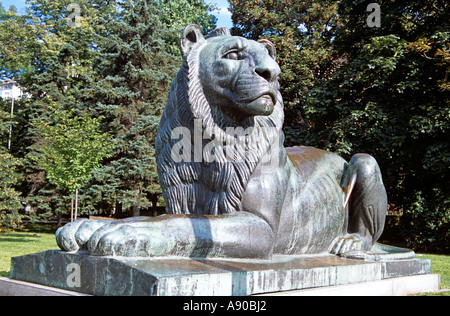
[136, 211]
[59, 222]
[71, 207]
[118, 213]
[154, 199]
[76, 203]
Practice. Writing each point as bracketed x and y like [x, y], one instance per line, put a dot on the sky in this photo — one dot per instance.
[20, 4]
[223, 15]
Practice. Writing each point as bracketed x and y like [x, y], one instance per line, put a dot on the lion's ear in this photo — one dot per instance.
[192, 36]
[270, 47]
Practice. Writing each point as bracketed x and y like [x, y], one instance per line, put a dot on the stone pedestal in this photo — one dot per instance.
[83, 273]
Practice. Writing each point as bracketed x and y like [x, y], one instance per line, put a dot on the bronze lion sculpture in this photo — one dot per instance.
[232, 190]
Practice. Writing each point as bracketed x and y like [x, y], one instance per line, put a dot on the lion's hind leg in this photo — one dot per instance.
[368, 201]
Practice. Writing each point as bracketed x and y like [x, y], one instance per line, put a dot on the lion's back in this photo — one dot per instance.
[309, 161]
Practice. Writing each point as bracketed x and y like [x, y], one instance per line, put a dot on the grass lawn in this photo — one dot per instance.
[440, 264]
[21, 243]
[15, 244]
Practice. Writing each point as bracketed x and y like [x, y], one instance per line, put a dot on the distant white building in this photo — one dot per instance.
[10, 89]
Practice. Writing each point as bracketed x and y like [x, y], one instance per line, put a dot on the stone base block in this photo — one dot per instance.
[83, 273]
[412, 285]
[404, 286]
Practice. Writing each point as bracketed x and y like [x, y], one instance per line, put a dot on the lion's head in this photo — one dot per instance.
[226, 83]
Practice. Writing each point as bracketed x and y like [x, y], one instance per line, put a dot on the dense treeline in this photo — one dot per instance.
[355, 78]
[97, 74]
[353, 86]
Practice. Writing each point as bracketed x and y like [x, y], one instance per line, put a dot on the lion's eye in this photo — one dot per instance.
[234, 55]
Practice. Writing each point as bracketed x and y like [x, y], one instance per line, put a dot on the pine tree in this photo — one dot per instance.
[55, 50]
[136, 72]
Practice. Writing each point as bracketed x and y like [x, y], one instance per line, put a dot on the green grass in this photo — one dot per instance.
[22, 243]
[440, 264]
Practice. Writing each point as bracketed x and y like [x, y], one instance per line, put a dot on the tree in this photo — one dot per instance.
[10, 200]
[303, 33]
[17, 38]
[65, 54]
[177, 14]
[390, 97]
[73, 148]
[135, 72]
[351, 88]
[63, 62]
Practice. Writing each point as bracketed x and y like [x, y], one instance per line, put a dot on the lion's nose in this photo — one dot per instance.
[269, 70]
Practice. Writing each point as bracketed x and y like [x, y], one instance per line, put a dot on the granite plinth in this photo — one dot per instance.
[83, 273]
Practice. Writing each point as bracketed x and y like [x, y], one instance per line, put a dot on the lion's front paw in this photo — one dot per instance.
[347, 244]
[124, 240]
[74, 236]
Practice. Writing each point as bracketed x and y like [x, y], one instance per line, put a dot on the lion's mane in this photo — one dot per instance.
[216, 187]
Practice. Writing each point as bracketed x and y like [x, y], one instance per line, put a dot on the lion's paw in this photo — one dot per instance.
[347, 244]
[124, 240]
[74, 236]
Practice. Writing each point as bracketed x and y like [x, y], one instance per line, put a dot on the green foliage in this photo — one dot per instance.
[10, 199]
[135, 70]
[63, 66]
[351, 88]
[116, 62]
[72, 148]
[390, 97]
[4, 121]
[17, 38]
[303, 33]
[426, 224]
[177, 14]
